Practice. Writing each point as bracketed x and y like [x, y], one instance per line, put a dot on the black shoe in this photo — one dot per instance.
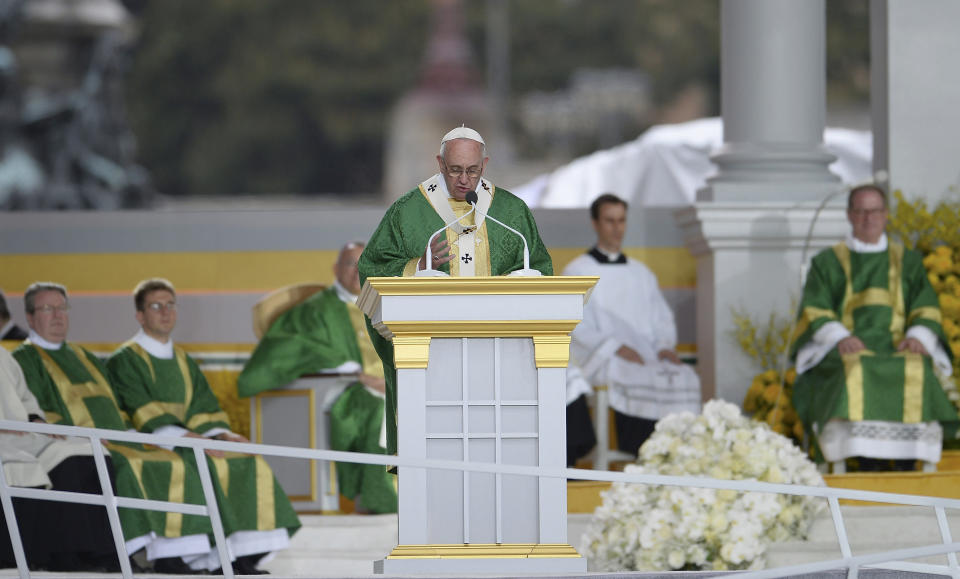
[173, 566]
[247, 565]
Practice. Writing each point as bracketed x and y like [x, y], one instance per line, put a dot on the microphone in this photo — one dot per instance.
[472, 198]
[428, 270]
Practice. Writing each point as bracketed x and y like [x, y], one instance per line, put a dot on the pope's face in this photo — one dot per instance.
[868, 216]
[462, 166]
[51, 316]
[159, 315]
[346, 269]
[610, 225]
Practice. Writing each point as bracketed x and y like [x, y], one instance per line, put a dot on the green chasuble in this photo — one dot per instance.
[72, 389]
[321, 333]
[157, 392]
[877, 296]
[402, 236]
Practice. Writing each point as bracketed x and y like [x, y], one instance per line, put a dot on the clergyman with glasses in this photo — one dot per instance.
[869, 347]
[471, 246]
[164, 392]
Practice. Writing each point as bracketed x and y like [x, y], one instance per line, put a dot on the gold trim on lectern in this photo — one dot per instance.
[411, 351]
[551, 338]
[551, 351]
[484, 551]
[493, 285]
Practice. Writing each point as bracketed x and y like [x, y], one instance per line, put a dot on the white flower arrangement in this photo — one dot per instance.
[643, 527]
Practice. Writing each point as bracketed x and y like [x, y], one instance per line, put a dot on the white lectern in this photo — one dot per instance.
[481, 377]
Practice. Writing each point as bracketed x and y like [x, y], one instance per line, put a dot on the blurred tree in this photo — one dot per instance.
[245, 96]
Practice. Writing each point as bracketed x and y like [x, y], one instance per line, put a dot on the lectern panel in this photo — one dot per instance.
[520, 494]
[518, 419]
[482, 494]
[444, 419]
[482, 420]
[518, 373]
[445, 491]
[445, 370]
[480, 368]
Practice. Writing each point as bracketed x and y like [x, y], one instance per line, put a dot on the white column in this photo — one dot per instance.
[749, 226]
[773, 100]
[914, 91]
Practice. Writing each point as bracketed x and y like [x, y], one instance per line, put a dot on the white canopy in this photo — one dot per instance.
[667, 164]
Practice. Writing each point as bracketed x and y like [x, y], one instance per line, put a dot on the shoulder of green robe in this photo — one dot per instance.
[913, 257]
[25, 352]
[125, 350]
[411, 198]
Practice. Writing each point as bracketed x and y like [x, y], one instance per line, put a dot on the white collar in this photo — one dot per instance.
[36, 339]
[6, 327]
[343, 293]
[153, 346]
[858, 246]
[611, 256]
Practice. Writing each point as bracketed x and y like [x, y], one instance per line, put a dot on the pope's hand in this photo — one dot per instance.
[440, 250]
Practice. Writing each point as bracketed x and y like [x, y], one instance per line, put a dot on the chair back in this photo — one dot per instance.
[270, 306]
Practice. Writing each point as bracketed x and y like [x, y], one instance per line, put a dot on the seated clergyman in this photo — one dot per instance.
[55, 536]
[72, 387]
[164, 392]
[869, 346]
[328, 332]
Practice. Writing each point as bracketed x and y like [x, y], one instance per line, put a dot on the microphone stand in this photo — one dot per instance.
[471, 198]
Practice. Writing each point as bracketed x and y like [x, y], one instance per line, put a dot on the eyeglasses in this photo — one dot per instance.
[158, 307]
[48, 309]
[868, 212]
[455, 172]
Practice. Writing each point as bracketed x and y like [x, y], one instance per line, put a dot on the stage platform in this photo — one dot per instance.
[347, 545]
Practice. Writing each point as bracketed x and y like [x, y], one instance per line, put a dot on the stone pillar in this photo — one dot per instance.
[773, 100]
[914, 91]
[749, 227]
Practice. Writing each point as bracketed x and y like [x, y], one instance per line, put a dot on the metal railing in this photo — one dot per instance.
[891, 559]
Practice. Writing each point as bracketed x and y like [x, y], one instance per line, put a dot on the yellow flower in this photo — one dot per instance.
[770, 376]
[771, 392]
[791, 376]
[798, 430]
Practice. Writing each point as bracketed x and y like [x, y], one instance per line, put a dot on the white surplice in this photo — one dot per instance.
[626, 308]
[28, 456]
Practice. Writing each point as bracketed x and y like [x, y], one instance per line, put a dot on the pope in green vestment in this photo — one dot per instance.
[327, 331]
[884, 391]
[472, 246]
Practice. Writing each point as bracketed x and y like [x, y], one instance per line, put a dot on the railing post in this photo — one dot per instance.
[111, 506]
[947, 539]
[213, 511]
[842, 536]
[12, 526]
